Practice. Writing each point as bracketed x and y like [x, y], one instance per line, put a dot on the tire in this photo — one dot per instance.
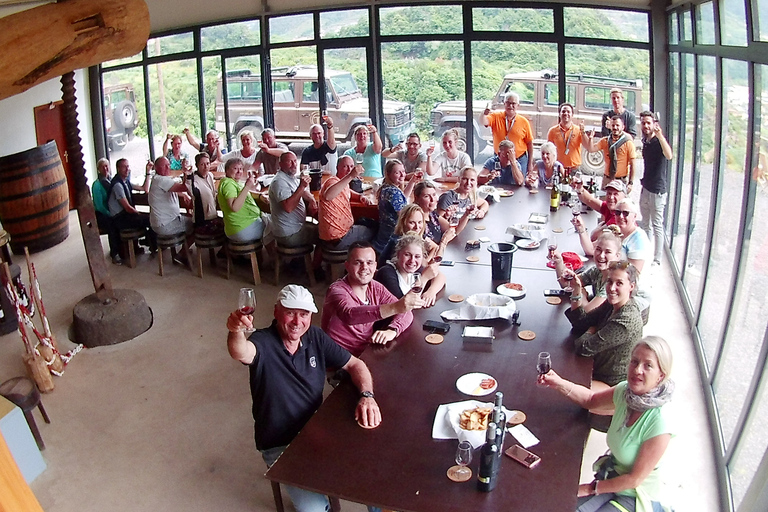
[255, 129]
[592, 163]
[124, 115]
[461, 144]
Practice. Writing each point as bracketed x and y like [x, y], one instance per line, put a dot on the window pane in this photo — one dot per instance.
[244, 94]
[760, 20]
[606, 24]
[424, 19]
[733, 29]
[735, 371]
[298, 27]
[680, 235]
[424, 74]
[124, 60]
[211, 75]
[673, 28]
[512, 20]
[674, 129]
[174, 101]
[686, 18]
[352, 23]
[167, 45]
[705, 23]
[292, 68]
[125, 119]
[231, 35]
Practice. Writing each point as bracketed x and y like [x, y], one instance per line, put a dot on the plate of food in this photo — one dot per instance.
[506, 193]
[528, 243]
[476, 384]
[514, 290]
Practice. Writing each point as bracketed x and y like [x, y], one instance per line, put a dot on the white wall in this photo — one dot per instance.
[17, 129]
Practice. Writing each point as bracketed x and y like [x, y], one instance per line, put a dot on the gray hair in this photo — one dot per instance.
[512, 95]
[550, 148]
[231, 162]
[663, 351]
[212, 132]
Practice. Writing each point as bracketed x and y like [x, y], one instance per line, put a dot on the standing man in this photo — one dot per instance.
[619, 152]
[356, 303]
[653, 196]
[568, 139]
[627, 117]
[121, 208]
[100, 194]
[164, 214]
[506, 124]
[336, 224]
[287, 362]
[211, 146]
[270, 151]
[320, 148]
[288, 193]
[411, 156]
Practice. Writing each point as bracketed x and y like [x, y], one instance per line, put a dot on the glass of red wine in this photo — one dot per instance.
[246, 304]
[544, 364]
[552, 246]
[416, 284]
[568, 275]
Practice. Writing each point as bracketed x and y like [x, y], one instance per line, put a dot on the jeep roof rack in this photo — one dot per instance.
[549, 74]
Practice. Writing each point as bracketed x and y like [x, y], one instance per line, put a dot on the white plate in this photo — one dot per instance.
[509, 292]
[469, 384]
[527, 243]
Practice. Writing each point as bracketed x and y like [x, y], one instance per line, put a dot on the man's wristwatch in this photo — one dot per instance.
[366, 394]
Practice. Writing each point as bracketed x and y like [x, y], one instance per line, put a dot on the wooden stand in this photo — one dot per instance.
[38, 371]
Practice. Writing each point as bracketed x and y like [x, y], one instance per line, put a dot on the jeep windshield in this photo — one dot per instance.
[345, 85]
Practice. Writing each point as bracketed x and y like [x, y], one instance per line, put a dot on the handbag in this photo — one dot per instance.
[605, 467]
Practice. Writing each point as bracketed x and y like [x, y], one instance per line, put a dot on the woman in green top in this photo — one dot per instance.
[639, 433]
[243, 220]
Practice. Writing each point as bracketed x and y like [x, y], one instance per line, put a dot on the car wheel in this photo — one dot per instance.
[592, 163]
[125, 115]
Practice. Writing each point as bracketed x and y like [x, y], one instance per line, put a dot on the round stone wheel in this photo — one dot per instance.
[97, 324]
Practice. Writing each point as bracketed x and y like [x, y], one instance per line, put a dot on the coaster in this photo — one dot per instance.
[434, 339]
[480, 228]
[557, 230]
[534, 191]
[526, 335]
[515, 418]
[367, 428]
[554, 300]
[473, 259]
[506, 193]
[456, 298]
[459, 474]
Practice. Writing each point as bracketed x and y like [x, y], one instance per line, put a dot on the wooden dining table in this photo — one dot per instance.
[399, 466]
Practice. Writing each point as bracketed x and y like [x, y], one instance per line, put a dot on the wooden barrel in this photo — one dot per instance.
[34, 201]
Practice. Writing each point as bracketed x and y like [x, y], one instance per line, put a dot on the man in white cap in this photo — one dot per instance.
[615, 191]
[288, 362]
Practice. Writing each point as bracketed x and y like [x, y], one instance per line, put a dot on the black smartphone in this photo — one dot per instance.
[436, 327]
[446, 263]
[556, 292]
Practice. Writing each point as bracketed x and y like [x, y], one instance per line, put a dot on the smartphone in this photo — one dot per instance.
[554, 292]
[436, 327]
[523, 456]
[446, 263]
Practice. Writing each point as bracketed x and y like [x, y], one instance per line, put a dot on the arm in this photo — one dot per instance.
[431, 167]
[517, 173]
[666, 149]
[235, 203]
[240, 349]
[584, 236]
[436, 282]
[584, 397]
[377, 145]
[190, 139]
[530, 159]
[168, 138]
[292, 201]
[331, 134]
[588, 198]
[330, 193]
[484, 119]
[590, 144]
[481, 208]
[630, 172]
[367, 411]
[127, 206]
[612, 333]
[276, 152]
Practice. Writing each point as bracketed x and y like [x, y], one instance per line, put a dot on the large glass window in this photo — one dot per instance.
[760, 20]
[168, 45]
[231, 35]
[351, 23]
[733, 29]
[297, 27]
[245, 99]
[124, 118]
[347, 102]
[295, 90]
[705, 23]
[602, 24]
[674, 76]
[174, 103]
[510, 19]
[423, 19]
[688, 122]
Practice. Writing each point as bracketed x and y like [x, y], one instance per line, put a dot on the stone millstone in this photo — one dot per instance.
[97, 324]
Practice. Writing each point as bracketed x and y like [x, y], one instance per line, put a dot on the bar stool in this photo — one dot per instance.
[171, 242]
[290, 253]
[234, 248]
[129, 238]
[210, 241]
[335, 259]
[24, 394]
[335, 504]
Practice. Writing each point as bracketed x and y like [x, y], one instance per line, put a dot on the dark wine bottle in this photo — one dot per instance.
[488, 472]
[500, 418]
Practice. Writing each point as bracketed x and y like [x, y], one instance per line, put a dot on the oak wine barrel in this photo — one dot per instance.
[34, 200]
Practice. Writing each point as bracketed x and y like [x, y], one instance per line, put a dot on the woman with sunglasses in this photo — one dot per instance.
[610, 329]
[635, 242]
[639, 434]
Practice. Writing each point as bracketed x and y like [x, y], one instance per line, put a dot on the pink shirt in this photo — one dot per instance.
[349, 321]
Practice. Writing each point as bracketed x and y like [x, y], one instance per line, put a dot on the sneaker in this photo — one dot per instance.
[117, 260]
[656, 263]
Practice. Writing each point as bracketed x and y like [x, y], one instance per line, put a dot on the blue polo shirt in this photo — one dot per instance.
[287, 388]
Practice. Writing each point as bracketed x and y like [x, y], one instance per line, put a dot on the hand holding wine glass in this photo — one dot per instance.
[246, 305]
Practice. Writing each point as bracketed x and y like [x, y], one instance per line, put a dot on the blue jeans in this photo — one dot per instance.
[303, 501]
[523, 162]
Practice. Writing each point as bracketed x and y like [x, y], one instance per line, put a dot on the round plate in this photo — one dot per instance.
[506, 193]
[456, 298]
[480, 228]
[469, 384]
[515, 418]
[557, 230]
[534, 191]
[457, 474]
[528, 243]
[510, 292]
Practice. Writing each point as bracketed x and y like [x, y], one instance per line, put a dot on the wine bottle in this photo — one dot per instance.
[554, 198]
[500, 418]
[488, 473]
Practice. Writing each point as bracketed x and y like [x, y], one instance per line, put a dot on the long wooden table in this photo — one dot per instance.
[398, 465]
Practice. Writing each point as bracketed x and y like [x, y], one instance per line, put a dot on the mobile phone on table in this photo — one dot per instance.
[436, 327]
[446, 263]
[556, 292]
[523, 456]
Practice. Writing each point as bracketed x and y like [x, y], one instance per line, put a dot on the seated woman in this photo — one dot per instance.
[397, 274]
[640, 429]
[447, 165]
[462, 203]
[177, 158]
[634, 240]
[243, 220]
[393, 196]
[607, 250]
[203, 191]
[436, 228]
[412, 219]
[545, 169]
[611, 328]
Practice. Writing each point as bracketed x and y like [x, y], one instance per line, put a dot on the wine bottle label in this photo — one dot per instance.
[484, 479]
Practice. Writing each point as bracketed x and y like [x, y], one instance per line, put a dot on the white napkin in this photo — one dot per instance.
[532, 231]
[482, 306]
[447, 417]
[489, 190]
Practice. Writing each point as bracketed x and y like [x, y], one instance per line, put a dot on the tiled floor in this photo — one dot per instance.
[163, 422]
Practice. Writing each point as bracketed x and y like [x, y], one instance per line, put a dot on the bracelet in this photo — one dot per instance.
[582, 231]
[570, 390]
[575, 298]
[593, 488]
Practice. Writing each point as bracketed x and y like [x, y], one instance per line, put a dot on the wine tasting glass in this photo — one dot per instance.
[246, 304]
[568, 275]
[552, 246]
[544, 363]
[463, 458]
[416, 284]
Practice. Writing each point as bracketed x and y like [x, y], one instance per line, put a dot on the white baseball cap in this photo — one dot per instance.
[294, 296]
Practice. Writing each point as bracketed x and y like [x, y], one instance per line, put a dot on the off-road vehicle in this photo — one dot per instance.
[120, 115]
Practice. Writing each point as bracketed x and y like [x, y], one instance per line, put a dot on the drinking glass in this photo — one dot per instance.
[544, 363]
[246, 304]
[416, 284]
[359, 157]
[460, 472]
[568, 275]
[552, 246]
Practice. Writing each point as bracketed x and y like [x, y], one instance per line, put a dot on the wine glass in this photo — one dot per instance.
[416, 285]
[552, 246]
[246, 304]
[544, 364]
[568, 275]
[359, 157]
[460, 472]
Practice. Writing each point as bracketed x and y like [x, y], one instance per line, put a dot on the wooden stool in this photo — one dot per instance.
[335, 259]
[208, 241]
[170, 242]
[335, 505]
[290, 253]
[233, 248]
[130, 237]
[25, 395]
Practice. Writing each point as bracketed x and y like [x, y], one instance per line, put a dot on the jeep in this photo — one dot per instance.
[296, 104]
[539, 100]
[120, 118]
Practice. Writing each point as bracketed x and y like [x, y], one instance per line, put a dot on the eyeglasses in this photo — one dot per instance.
[620, 265]
[619, 213]
[511, 103]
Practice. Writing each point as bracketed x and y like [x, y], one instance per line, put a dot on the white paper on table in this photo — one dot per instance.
[448, 416]
[524, 436]
[532, 231]
[482, 306]
[489, 190]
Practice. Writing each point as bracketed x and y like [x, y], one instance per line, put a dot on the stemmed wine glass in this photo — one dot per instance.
[416, 284]
[544, 364]
[246, 305]
[461, 473]
[568, 275]
[552, 246]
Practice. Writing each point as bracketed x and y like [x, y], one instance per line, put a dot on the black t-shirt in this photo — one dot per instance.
[655, 168]
[432, 228]
[628, 118]
[313, 154]
[287, 389]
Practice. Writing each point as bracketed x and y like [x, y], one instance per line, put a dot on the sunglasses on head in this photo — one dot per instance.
[619, 213]
[620, 265]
